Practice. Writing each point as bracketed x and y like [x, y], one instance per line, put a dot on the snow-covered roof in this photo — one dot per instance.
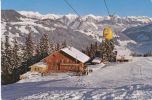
[40, 64]
[73, 52]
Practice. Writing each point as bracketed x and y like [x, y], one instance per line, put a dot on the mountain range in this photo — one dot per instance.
[132, 32]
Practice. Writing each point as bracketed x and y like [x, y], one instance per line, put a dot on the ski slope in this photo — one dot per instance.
[132, 80]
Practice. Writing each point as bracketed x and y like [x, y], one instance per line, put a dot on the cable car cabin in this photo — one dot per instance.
[67, 59]
[107, 33]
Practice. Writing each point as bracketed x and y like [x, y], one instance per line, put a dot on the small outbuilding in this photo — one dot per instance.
[41, 67]
[96, 60]
[123, 55]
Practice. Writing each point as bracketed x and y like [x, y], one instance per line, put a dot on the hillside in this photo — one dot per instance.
[142, 35]
[57, 31]
[131, 81]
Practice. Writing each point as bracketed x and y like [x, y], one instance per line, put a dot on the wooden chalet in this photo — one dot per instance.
[68, 59]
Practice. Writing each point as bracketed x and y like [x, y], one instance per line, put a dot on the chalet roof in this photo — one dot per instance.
[40, 64]
[73, 52]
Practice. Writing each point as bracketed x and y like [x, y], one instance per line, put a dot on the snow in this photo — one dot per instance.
[123, 81]
[33, 29]
[68, 19]
[28, 19]
[143, 19]
[123, 52]
[37, 15]
[71, 16]
[89, 26]
[30, 14]
[3, 27]
[23, 29]
[31, 24]
[51, 16]
[30, 75]
[124, 43]
[76, 54]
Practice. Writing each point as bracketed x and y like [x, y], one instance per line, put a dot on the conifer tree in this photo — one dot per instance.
[8, 56]
[15, 54]
[64, 44]
[57, 47]
[51, 47]
[6, 61]
[44, 44]
[2, 54]
[107, 48]
[28, 49]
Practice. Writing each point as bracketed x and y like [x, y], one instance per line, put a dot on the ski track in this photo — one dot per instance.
[118, 81]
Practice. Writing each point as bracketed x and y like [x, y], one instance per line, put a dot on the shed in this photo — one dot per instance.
[39, 67]
[96, 60]
[123, 55]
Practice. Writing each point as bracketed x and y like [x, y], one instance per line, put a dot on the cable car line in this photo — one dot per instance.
[108, 11]
[72, 7]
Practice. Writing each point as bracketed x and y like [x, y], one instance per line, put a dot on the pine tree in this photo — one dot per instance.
[107, 48]
[51, 47]
[7, 59]
[96, 46]
[57, 47]
[2, 54]
[44, 44]
[28, 47]
[16, 58]
[64, 44]
[8, 56]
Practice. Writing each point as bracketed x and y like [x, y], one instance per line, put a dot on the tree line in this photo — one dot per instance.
[147, 54]
[16, 58]
[105, 51]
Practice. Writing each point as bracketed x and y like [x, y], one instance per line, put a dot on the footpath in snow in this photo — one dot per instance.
[132, 80]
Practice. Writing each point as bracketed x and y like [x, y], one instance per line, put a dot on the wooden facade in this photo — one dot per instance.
[62, 62]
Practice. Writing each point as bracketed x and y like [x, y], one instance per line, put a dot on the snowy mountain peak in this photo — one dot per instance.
[18, 24]
[30, 14]
[37, 15]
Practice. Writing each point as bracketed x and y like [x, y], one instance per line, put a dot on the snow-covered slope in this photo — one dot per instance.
[41, 24]
[123, 81]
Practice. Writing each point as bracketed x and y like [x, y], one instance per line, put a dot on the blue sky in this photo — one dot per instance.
[83, 7]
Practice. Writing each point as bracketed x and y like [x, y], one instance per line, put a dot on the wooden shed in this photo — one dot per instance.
[39, 67]
[67, 59]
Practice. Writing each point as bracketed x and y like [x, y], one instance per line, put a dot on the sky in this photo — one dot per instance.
[83, 7]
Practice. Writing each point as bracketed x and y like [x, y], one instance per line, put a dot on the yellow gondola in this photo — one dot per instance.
[107, 33]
